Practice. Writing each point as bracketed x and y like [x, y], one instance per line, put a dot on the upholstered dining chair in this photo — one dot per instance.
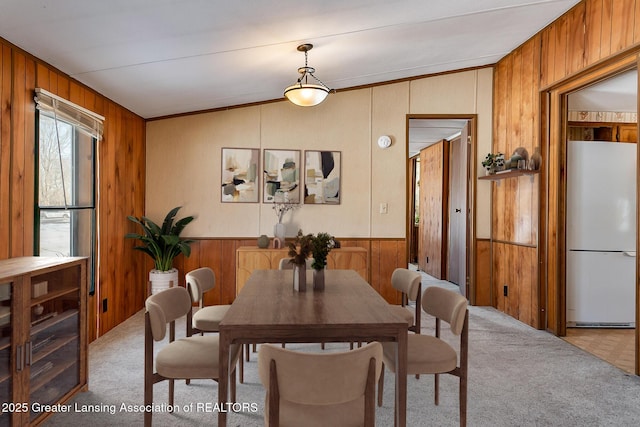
[206, 318]
[428, 354]
[320, 389]
[192, 357]
[409, 283]
[284, 264]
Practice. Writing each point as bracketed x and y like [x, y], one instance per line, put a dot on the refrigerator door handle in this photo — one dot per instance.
[629, 253]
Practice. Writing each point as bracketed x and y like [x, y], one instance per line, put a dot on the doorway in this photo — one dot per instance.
[553, 201]
[440, 214]
[601, 218]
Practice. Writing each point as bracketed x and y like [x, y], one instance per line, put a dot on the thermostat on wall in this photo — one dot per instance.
[384, 141]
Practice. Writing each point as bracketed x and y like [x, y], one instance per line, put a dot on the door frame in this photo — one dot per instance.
[471, 192]
[553, 194]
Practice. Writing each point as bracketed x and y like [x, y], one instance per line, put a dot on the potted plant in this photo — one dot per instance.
[162, 244]
[321, 245]
[492, 162]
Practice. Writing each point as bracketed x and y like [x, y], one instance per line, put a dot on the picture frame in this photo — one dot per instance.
[322, 177]
[281, 170]
[240, 176]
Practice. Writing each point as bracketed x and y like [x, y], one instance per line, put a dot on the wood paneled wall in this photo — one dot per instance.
[385, 255]
[525, 244]
[121, 180]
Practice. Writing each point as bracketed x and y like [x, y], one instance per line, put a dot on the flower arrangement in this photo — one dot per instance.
[317, 246]
[321, 245]
[300, 248]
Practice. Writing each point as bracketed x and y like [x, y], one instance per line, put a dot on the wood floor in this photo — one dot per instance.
[615, 346]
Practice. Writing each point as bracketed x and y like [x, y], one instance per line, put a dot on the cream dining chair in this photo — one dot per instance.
[409, 283]
[206, 318]
[319, 389]
[428, 354]
[192, 357]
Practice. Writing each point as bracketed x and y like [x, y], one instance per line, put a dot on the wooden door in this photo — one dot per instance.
[457, 239]
[433, 169]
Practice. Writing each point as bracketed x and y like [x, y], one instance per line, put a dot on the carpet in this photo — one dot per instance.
[518, 376]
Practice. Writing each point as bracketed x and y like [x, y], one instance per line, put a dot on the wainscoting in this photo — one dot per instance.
[384, 256]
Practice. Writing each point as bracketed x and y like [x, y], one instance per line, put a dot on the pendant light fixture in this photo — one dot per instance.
[303, 93]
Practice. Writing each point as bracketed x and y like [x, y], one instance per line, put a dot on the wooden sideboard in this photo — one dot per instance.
[249, 258]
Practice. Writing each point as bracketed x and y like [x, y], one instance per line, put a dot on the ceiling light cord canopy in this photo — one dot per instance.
[303, 93]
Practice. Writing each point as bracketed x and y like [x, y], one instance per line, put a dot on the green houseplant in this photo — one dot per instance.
[492, 162]
[162, 244]
[321, 245]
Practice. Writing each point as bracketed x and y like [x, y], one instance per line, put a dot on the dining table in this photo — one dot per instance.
[269, 310]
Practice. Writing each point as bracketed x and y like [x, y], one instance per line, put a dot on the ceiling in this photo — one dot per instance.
[164, 57]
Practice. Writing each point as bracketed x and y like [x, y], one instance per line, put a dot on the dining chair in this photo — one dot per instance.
[320, 389]
[206, 318]
[192, 357]
[409, 283]
[430, 354]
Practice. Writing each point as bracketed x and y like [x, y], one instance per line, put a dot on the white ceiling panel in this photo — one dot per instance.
[162, 57]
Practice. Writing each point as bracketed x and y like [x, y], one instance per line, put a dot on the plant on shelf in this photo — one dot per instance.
[492, 162]
[162, 244]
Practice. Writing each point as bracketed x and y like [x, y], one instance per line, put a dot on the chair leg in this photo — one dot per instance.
[148, 400]
[248, 351]
[232, 385]
[435, 388]
[322, 345]
[241, 363]
[171, 388]
[463, 402]
[381, 385]
[254, 348]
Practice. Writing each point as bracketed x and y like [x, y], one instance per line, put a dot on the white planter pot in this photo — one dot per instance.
[161, 280]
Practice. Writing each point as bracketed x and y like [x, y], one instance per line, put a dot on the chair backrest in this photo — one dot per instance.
[406, 281]
[447, 305]
[200, 281]
[284, 263]
[165, 307]
[320, 378]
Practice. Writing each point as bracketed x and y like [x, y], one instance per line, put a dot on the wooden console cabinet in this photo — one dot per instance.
[249, 258]
[43, 335]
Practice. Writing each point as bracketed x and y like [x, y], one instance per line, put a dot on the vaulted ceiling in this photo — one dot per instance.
[164, 57]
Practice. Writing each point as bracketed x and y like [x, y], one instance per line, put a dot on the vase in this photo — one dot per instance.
[263, 241]
[300, 277]
[279, 231]
[161, 280]
[318, 280]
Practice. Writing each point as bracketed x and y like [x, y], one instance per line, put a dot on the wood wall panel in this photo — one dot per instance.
[576, 39]
[121, 170]
[5, 148]
[590, 33]
[483, 284]
[623, 15]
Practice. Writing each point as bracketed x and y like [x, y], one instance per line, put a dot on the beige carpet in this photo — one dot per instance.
[519, 376]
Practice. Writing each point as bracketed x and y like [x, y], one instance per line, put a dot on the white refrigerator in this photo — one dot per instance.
[601, 234]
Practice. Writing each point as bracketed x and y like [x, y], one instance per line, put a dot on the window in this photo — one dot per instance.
[66, 182]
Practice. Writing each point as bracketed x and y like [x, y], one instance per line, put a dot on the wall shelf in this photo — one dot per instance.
[512, 173]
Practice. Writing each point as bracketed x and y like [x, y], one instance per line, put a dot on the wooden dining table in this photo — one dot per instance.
[268, 310]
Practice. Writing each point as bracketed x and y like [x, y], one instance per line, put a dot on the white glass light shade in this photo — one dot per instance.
[306, 95]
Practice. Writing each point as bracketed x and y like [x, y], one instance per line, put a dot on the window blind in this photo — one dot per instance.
[85, 121]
